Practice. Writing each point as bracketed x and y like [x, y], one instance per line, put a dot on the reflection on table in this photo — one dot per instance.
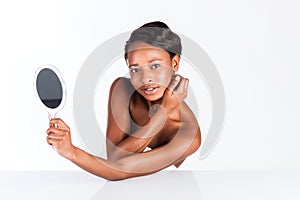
[183, 185]
[162, 185]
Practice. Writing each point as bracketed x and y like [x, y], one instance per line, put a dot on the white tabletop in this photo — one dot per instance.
[200, 185]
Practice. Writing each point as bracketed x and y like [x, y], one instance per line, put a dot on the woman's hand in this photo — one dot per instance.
[59, 136]
[175, 93]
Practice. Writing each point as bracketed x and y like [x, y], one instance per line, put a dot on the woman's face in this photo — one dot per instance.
[151, 69]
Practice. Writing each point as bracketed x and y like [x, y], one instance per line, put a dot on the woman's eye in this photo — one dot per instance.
[155, 66]
[134, 70]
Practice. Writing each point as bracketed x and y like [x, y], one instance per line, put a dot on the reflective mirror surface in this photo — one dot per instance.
[50, 89]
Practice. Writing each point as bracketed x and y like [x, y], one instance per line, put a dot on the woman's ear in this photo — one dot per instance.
[175, 62]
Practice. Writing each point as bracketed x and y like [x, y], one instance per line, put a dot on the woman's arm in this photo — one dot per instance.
[184, 143]
[118, 143]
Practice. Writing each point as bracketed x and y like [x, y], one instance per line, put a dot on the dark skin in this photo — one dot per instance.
[147, 110]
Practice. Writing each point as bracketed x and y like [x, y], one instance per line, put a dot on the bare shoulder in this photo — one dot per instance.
[121, 84]
[118, 120]
[119, 98]
[121, 89]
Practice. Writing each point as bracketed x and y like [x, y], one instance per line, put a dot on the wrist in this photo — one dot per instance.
[162, 113]
[72, 155]
[167, 109]
[164, 108]
[160, 118]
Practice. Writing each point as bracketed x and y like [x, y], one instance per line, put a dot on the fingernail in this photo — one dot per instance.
[177, 78]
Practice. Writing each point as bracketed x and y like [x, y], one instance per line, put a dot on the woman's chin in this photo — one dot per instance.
[153, 97]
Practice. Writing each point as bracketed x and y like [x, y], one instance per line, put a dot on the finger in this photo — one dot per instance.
[181, 86]
[53, 142]
[186, 85]
[173, 84]
[47, 139]
[56, 136]
[57, 122]
[186, 88]
[55, 130]
[53, 123]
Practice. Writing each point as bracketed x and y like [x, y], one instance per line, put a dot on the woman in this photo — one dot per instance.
[147, 110]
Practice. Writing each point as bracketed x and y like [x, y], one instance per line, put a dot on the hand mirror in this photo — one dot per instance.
[50, 89]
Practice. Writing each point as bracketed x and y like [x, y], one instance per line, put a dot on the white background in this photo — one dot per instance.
[254, 45]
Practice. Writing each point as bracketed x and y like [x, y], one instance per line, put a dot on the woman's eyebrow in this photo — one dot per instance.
[133, 65]
[149, 61]
[155, 59]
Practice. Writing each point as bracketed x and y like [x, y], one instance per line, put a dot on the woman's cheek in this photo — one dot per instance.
[135, 82]
[165, 79]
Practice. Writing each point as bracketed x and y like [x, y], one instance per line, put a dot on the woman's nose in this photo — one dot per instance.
[147, 77]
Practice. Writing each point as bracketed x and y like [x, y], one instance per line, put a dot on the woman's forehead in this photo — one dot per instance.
[140, 52]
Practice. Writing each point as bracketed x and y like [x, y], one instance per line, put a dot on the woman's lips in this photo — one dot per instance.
[150, 90]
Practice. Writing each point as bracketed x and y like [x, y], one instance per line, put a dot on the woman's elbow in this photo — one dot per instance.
[198, 139]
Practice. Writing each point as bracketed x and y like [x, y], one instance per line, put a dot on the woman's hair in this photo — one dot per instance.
[157, 34]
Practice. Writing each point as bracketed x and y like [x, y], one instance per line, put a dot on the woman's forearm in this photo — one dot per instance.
[59, 137]
[103, 168]
[141, 138]
[185, 143]
[97, 166]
